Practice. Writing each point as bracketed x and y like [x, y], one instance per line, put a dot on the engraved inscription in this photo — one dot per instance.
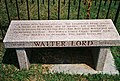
[62, 29]
[61, 33]
[63, 43]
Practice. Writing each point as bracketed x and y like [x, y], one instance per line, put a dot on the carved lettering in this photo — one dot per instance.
[42, 44]
[52, 43]
[61, 33]
[57, 43]
[90, 43]
[78, 43]
[63, 43]
[37, 43]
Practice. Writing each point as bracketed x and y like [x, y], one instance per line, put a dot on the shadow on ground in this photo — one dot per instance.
[53, 56]
[10, 57]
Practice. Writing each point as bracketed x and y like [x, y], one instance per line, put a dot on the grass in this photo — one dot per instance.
[9, 72]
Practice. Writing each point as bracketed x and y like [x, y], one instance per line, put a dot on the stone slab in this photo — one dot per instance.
[61, 33]
[101, 58]
[109, 67]
[22, 59]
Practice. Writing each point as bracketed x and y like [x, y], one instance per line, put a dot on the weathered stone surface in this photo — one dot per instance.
[61, 33]
[101, 58]
[22, 59]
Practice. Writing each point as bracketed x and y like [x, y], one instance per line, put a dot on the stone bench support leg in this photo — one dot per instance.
[101, 58]
[22, 59]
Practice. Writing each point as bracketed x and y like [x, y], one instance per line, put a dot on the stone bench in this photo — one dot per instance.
[23, 34]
